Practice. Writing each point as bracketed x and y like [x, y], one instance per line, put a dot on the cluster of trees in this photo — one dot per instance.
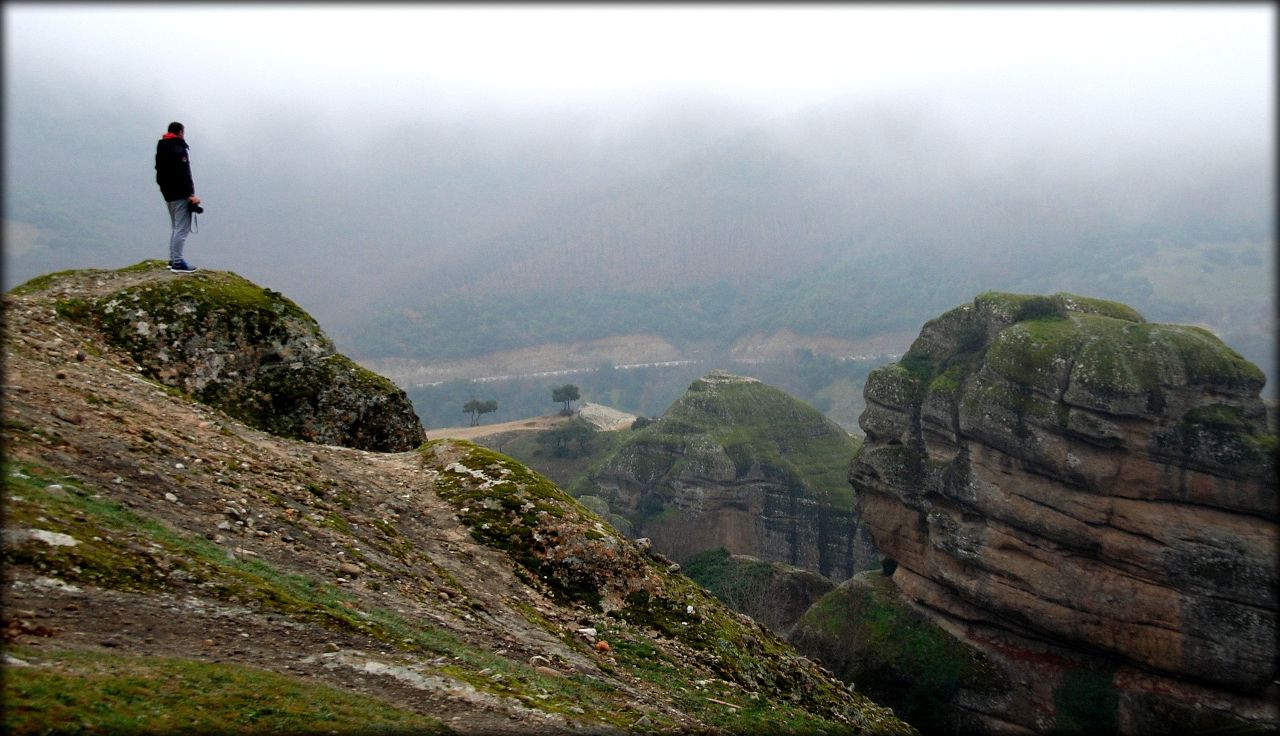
[566, 395]
[475, 408]
[571, 439]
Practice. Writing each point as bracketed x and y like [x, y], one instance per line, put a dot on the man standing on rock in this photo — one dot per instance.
[173, 174]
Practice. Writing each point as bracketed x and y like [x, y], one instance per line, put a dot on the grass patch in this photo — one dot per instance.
[893, 653]
[43, 282]
[118, 549]
[107, 693]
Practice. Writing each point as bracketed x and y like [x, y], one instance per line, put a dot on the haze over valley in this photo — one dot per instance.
[439, 224]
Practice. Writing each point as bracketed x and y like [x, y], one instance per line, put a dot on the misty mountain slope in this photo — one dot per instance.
[145, 531]
[850, 220]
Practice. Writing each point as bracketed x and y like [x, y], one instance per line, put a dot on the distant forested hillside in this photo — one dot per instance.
[1226, 286]
[847, 222]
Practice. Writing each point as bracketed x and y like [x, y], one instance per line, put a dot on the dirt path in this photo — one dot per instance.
[531, 424]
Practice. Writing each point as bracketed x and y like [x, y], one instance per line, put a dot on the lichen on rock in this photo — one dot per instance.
[244, 349]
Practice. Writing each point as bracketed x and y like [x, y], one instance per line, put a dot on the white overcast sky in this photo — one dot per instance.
[372, 61]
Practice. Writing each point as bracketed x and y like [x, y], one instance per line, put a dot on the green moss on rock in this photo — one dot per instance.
[251, 352]
[1016, 355]
[511, 508]
[727, 427]
[868, 635]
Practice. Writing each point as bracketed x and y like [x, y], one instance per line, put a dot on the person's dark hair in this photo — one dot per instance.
[175, 128]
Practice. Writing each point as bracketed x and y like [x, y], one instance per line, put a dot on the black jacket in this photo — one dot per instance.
[173, 169]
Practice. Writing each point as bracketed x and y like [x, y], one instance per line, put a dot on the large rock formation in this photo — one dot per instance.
[244, 349]
[1077, 490]
[735, 463]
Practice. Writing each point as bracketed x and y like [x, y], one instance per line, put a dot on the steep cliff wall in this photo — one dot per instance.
[735, 463]
[1078, 490]
[244, 349]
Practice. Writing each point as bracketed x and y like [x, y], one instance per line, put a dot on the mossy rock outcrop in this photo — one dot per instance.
[246, 350]
[739, 464]
[1058, 478]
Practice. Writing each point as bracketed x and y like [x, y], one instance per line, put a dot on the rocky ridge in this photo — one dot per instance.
[738, 464]
[447, 581]
[246, 350]
[1082, 494]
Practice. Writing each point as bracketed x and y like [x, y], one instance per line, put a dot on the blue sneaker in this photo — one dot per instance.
[181, 267]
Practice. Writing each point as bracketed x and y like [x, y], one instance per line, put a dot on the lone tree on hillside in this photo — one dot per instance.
[565, 394]
[560, 441]
[475, 408]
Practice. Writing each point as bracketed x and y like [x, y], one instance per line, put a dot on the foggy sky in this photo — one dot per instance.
[1178, 69]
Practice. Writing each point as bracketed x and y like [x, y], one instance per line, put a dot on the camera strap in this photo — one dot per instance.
[194, 229]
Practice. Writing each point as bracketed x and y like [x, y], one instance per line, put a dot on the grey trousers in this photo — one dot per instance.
[180, 216]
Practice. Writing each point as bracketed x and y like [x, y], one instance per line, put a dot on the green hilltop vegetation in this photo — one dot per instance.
[737, 463]
[748, 425]
[756, 425]
[1109, 351]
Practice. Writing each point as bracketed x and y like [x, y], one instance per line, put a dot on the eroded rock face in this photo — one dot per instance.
[246, 350]
[738, 464]
[1057, 472]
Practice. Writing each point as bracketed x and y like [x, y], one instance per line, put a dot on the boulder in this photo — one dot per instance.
[248, 351]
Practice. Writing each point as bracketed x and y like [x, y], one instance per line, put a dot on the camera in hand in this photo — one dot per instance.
[197, 209]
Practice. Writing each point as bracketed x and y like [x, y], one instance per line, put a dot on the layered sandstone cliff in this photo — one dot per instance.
[738, 464]
[1074, 490]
